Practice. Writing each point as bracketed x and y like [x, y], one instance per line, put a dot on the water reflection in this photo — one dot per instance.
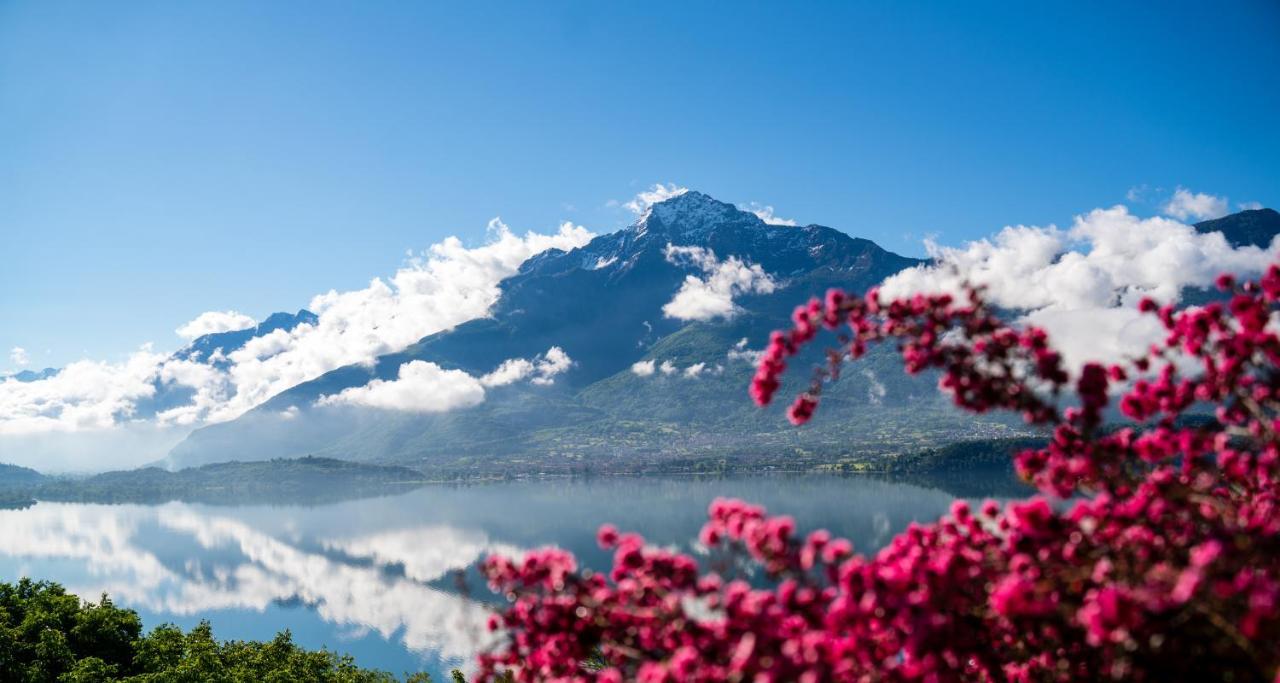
[372, 576]
[181, 560]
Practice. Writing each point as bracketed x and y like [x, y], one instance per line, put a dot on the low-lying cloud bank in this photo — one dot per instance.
[1083, 284]
[424, 387]
[83, 395]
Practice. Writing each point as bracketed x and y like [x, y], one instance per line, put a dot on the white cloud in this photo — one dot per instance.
[273, 570]
[427, 553]
[212, 322]
[765, 213]
[84, 395]
[541, 370]
[421, 387]
[658, 193]
[1196, 206]
[741, 352]
[511, 371]
[448, 285]
[647, 368]
[1137, 193]
[704, 298]
[211, 385]
[1097, 334]
[1083, 284]
[110, 551]
[875, 390]
[550, 364]
[643, 368]
[424, 387]
[18, 356]
[1249, 206]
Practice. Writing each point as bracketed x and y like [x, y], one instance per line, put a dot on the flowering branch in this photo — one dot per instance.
[1163, 567]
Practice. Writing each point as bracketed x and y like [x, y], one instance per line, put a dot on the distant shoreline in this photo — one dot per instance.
[961, 468]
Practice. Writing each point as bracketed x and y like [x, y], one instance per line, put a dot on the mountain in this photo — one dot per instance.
[595, 301]
[1256, 227]
[1252, 228]
[213, 349]
[31, 375]
[15, 477]
[603, 304]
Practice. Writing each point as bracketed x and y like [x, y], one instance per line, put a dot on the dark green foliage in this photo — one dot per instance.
[16, 484]
[985, 456]
[47, 634]
[16, 499]
[15, 477]
[966, 469]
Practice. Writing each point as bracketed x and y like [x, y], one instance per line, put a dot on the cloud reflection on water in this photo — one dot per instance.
[381, 567]
[245, 568]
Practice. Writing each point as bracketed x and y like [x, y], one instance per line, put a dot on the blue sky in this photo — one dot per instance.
[162, 159]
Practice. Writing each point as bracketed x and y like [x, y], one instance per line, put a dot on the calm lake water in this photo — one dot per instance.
[377, 577]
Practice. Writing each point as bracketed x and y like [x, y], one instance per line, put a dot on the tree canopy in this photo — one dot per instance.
[48, 634]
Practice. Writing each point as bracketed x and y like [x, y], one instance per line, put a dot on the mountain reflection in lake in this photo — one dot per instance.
[374, 577]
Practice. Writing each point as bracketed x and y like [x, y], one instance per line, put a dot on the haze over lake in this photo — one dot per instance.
[378, 577]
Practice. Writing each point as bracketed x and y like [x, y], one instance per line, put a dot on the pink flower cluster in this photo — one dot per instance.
[1161, 563]
[981, 368]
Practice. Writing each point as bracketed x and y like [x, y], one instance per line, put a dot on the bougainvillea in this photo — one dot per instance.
[1159, 560]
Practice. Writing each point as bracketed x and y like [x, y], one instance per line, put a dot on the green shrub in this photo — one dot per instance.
[47, 634]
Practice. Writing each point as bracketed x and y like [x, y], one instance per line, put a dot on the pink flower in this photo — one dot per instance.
[1163, 567]
[801, 411]
[607, 536]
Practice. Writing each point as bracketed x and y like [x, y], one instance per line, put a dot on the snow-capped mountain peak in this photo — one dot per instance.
[693, 214]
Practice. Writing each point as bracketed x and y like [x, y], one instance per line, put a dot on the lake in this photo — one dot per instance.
[377, 578]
